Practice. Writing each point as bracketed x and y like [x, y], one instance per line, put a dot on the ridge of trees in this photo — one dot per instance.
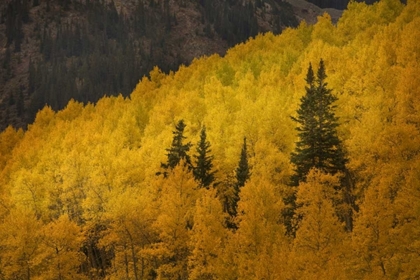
[341, 4]
[89, 49]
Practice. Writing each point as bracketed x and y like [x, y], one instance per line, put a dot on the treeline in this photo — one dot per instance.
[235, 21]
[88, 49]
[123, 189]
[341, 4]
[85, 60]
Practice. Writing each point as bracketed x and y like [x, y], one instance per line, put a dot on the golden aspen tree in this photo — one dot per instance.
[260, 241]
[9, 138]
[208, 239]
[75, 175]
[271, 163]
[383, 238]
[44, 121]
[62, 243]
[221, 108]
[128, 233]
[356, 19]
[372, 239]
[21, 238]
[175, 201]
[72, 111]
[406, 234]
[157, 76]
[385, 215]
[29, 191]
[320, 244]
[324, 30]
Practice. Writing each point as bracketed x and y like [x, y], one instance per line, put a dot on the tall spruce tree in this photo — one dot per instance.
[203, 161]
[318, 146]
[242, 171]
[241, 176]
[178, 150]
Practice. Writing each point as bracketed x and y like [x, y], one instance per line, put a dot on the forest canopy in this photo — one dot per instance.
[80, 198]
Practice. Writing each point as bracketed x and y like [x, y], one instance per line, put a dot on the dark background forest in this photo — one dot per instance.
[56, 50]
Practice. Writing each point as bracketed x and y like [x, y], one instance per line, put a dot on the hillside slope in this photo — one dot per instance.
[52, 51]
[309, 12]
[80, 195]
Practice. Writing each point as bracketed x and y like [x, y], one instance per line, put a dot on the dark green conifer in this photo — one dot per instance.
[20, 105]
[203, 164]
[318, 145]
[178, 150]
[242, 174]
[11, 99]
[31, 77]
[242, 171]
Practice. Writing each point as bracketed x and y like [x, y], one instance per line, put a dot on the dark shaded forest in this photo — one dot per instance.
[341, 4]
[83, 50]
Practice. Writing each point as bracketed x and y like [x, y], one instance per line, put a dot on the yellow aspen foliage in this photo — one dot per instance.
[260, 242]
[92, 167]
[321, 243]
[408, 106]
[208, 240]
[72, 110]
[324, 30]
[22, 242]
[406, 234]
[372, 238]
[271, 163]
[176, 197]
[62, 249]
[9, 138]
[29, 191]
[388, 209]
[389, 10]
[128, 233]
[74, 175]
[221, 108]
[157, 76]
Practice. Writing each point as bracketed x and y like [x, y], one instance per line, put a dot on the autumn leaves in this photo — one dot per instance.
[84, 179]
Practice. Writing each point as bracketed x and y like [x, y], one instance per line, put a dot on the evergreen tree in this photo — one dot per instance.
[11, 99]
[242, 174]
[318, 146]
[242, 171]
[20, 105]
[25, 11]
[31, 77]
[203, 164]
[18, 34]
[178, 151]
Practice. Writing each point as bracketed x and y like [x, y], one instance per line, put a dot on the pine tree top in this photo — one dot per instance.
[203, 172]
[178, 150]
[243, 172]
[318, 145]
